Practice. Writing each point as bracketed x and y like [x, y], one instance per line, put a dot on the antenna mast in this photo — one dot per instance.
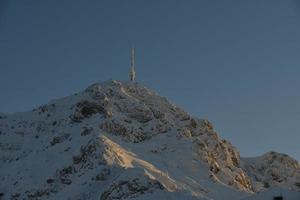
[132, 70]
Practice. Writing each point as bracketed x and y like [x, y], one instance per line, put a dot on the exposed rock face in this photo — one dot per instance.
[119, 140]
[222, 158]
[132, 188]
[85, 109]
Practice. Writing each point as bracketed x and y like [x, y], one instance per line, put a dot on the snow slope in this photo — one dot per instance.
[120, 140]
[274, 192]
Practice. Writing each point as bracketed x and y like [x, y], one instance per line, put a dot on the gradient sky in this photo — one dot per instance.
[236, 63]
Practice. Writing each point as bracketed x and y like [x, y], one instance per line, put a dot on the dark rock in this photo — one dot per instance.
[66, 181]
[50, 180]
[157, 113]
[130, 133]
[266, 185]
[67, 170]
[130, 189]
[15, 195]
[37, 194]
[59, 139]
[103, 175]
[78, 159]
[86, 131]
[193, 123]
[90, 108]
[43, 108]
[86, 109]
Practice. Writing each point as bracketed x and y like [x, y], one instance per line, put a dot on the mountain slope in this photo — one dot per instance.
[120, 140]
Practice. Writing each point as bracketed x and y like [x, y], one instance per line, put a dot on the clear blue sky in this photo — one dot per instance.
[236, 63]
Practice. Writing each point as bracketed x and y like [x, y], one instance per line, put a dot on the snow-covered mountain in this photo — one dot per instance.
[120, 140]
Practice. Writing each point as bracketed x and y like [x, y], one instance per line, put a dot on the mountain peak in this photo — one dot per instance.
[121, 140]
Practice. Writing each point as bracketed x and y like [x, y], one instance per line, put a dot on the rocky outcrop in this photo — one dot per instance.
[86, 109]
[132, 188]
[272, 169]
[221, 157]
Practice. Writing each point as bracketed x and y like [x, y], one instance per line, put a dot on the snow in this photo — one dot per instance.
[275, 192]
[120, 140]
